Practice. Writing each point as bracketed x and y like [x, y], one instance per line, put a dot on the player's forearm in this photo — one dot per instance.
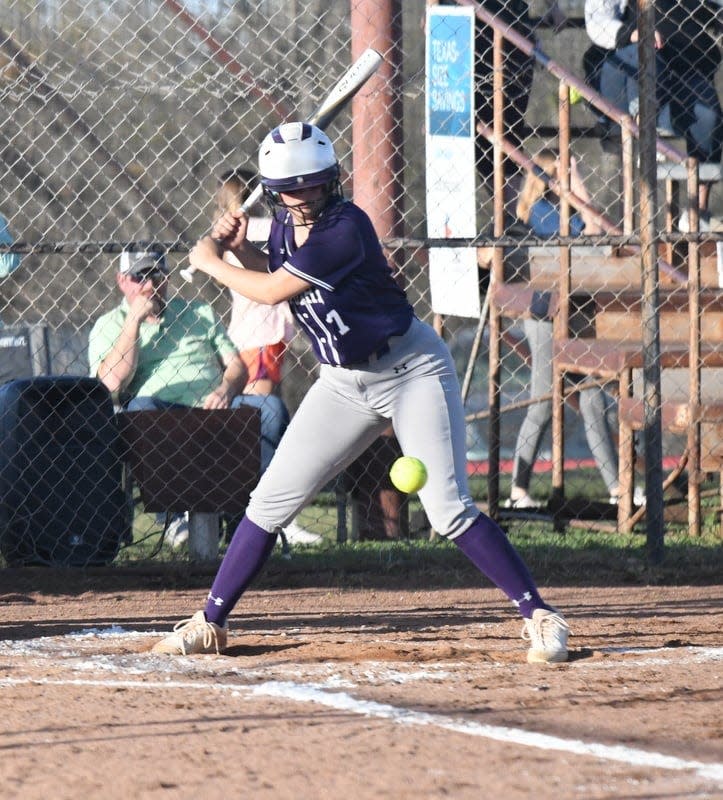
[252, 257]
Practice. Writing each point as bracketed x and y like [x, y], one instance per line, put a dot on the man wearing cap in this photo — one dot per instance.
[153, 353]
[150, 351]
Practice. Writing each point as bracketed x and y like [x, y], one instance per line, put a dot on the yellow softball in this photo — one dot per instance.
[408, 474]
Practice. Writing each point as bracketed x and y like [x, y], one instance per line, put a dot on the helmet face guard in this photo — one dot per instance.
[298, 155]
[324, 176]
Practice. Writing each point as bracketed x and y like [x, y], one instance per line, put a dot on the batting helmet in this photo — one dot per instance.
[296, 155]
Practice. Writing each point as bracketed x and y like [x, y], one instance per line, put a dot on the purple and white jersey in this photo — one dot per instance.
[354, 304]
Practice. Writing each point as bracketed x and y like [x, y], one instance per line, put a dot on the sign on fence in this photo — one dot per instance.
[450, 159]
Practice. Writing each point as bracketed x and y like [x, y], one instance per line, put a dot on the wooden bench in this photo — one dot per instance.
[606, 283]
[527, 273]
[191, 459]
[705, 444]
[613, 355]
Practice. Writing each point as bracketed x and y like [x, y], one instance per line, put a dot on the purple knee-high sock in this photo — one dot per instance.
[489, 549]
[247, 553]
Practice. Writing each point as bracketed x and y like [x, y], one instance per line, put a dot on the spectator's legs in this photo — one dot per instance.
[618, 79]
[593, 408]
[539, 415]
[274, 420]
[695, 112]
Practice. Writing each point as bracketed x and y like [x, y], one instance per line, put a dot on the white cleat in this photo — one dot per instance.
[193, 636]
[547, 634]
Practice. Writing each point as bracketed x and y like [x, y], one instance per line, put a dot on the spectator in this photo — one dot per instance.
[260, 333]
[687, 60]
[539, 210]
[9, 262]
[155, 353]
[519, 68]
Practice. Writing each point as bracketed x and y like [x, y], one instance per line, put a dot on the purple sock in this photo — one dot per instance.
[489, 549]
[247, 553]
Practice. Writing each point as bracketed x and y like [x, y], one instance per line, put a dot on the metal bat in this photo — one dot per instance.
[347, 86]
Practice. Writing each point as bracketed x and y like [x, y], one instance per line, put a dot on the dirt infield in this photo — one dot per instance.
[353, 694]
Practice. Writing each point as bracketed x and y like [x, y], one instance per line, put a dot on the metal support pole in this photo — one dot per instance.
[495, 367]
[474, 352]
[562, 318]
[653, 435]
[695, 476]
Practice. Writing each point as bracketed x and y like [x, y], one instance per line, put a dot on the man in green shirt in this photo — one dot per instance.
[174, 351]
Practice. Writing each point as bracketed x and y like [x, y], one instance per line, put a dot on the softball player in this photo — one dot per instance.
[379, 363]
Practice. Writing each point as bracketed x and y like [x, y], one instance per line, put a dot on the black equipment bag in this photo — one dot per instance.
[62, 500]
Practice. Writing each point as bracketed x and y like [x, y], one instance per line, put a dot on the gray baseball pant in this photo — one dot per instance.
[415, 386]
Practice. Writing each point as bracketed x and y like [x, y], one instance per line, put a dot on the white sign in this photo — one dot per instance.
[450, 157]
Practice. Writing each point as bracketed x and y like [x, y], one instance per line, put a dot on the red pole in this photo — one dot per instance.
[377, 169]
[377, 116]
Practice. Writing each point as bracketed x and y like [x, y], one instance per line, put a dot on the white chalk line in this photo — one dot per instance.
[320, 694]
[342, 701]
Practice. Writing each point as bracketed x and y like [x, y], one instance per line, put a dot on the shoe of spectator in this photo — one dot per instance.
[638, 497]
[522, 501]
[178, 530]
[706, 223]
[547, 634]
[295, 534]
[608, 134]
[193, 636]
[602, 128]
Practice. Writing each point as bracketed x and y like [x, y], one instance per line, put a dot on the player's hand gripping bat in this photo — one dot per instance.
[347, 86]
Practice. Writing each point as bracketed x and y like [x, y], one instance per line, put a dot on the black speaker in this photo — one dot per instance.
[24, 351]
[62, 500]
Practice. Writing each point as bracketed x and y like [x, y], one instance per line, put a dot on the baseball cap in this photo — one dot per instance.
[141, 261]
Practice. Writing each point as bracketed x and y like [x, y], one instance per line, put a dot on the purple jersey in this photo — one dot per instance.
[354, 304]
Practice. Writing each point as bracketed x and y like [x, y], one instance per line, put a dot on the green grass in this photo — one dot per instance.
[574, 557]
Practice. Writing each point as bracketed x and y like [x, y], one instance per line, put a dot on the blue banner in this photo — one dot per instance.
[450, 62]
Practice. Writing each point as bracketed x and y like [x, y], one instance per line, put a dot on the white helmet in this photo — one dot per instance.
[296, 155]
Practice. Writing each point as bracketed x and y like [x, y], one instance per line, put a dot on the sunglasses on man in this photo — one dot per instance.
[155, 275]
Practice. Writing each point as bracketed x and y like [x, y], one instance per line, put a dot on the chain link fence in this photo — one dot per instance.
[121, 116]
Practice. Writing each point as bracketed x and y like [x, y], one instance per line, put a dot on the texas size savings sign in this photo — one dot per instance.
[450, 154]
